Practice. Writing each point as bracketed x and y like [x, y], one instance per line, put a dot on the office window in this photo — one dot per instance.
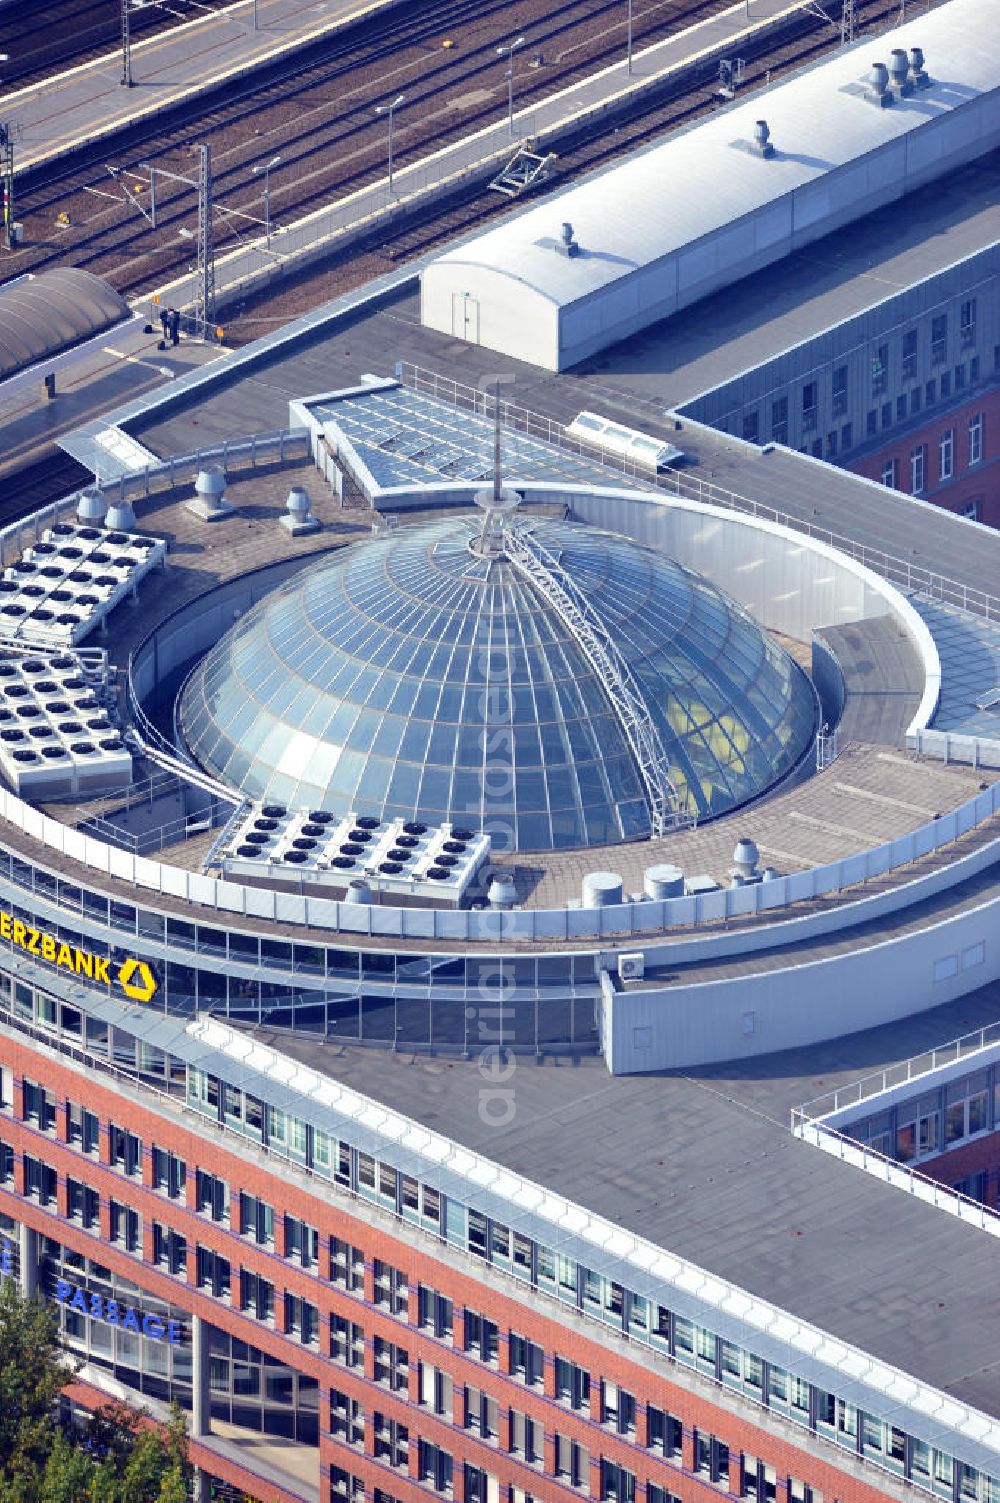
[946, 454]
[816, 448]
[482, 1414]
[212, 1196]
[527, 1360]
[84, 1128]
[436, 1389]
[572, 1384]
[779, 420]
[6, 1163]
[256, 1219]
[915, 402]
[435, 1312]
[901, 408]
[959, 377]
[751, 427]
[169, 1173]
[973, 370]
[657, 1494]
[939, 338]
[301, 1242]
[846, 435]
[839, 390]
[84, 1205]
[126, 1151]
[525, 1437]
[617, 1408]
[347, 1342]
[347, 1418]
[169, 1250]
[126, 1227]
[301, 1319]
[967, 1109]
[918, 468]
[39, 1181]
[809, 400]
[213, 1272]
[39, 1106]
[482, 1337]
[346, 1488]
[972, 510]
[831, 444]
[918, 1127]
[392, 1365]
[801, 1492]
[976, 439]
[617, 1482]
[434, 1466]
[945, 385]
[871, 423]
[880, 370]
[909, 364]
[967, 322]
[711, 1459]
[392, 1442]
[390, 1288]
[930, 392]
[572, 1462]
[347, 1266]
[664, 1432]
[886, 413]
[256, 1296]
[890, 473]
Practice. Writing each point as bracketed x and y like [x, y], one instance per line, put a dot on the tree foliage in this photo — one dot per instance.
[116, 1457]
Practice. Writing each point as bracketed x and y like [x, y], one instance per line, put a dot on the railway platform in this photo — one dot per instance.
[90, 102]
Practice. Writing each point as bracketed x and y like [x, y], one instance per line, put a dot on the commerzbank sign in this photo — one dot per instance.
[134, 978]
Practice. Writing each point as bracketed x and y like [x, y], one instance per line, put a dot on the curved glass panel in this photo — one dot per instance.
[405, 676]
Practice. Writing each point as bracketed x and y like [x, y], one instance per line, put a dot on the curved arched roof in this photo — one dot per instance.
[48, 313]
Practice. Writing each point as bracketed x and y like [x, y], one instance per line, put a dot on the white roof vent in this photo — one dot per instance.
[120, 517]
[745, 858]
[567, 244]
[209, 500]
[762, 139]
[502, 892]
[918, 78]
[878, 82]
[91, 506]
[899, 72]
[298, 519]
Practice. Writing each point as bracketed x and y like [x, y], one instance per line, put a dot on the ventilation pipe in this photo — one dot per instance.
[899, 70]
[209, 501]
[501, 892]
[878, 80]
[120, 517]
[745, 859]
[298, 518]
[762, 139]
[567, 245]
[918, 78]
[601, 890]
[92, 507]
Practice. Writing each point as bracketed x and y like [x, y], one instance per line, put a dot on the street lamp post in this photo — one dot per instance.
[266, 168]
[390, 110]
[507, 50]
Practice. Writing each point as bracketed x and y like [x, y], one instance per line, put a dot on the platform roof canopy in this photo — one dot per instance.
[46, 314]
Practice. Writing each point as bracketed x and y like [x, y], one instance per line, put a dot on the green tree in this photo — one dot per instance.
[33, 1370]
[68, 1472]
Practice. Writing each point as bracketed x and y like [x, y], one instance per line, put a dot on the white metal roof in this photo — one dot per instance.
[703, 179]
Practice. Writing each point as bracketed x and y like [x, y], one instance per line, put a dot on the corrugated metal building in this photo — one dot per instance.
[708, 206]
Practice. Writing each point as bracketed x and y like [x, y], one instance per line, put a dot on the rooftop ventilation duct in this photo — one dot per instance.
[566, 244]
[91, 507]
[878, 80]
[601, 890]
[209, 501]
[918, 77]
[899, 72]
[298, 519]
[120, 517]
[502, 893]
[745, 859]
[762, 139]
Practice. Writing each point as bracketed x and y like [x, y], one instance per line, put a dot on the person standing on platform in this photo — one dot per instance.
[165, 321]
[175, 326]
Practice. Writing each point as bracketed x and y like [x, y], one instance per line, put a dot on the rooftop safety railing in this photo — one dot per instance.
[903, 573]
[891, 1172]
[857, 1092]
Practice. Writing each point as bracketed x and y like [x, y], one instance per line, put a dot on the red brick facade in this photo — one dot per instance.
[603, 1354]
[971, 485]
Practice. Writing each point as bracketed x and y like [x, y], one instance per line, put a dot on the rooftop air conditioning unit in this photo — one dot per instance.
[632, 967]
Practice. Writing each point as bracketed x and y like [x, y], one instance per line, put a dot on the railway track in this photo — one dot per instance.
[46, 37]
[321, 119]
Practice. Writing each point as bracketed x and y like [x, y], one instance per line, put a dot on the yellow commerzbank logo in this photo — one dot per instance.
[135, 977]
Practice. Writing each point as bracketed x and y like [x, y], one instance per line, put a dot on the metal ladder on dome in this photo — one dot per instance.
[534, 561]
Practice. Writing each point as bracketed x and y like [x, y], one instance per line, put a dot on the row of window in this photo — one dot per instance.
[946, 457]
[550, 1273]
[934, 1121]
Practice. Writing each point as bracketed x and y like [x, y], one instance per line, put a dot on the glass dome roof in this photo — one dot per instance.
[406, 676]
